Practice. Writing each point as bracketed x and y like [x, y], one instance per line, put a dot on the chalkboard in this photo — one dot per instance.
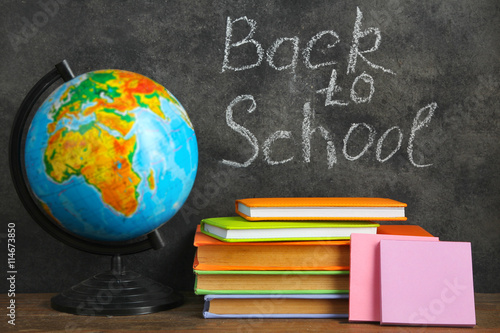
[389, 99]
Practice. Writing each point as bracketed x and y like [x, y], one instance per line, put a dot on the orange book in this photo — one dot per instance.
[213, 254]
[216, 255]
[326, 208]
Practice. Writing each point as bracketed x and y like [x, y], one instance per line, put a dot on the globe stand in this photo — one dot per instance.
[117, 292]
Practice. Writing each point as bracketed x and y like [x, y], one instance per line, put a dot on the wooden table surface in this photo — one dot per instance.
[33, 314]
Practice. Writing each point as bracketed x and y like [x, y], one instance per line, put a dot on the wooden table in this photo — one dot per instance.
[33, 314]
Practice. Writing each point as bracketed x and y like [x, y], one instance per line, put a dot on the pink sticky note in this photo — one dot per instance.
[426, 283]
[364, 281]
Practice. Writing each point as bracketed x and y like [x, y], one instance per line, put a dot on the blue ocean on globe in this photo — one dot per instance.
[111, 155]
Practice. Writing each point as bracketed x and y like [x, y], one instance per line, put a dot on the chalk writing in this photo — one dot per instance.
[362, 90]
[307, 133]
[371, 139]
[330, 90]
[272, 50]
[246, 40]
[354, 95]
[270, 141]
[380, 143]
[417, 126]
[355, 52]
[242, 130]
[307, 51]
[308, 130]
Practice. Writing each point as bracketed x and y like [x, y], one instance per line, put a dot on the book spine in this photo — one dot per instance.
[256, 292]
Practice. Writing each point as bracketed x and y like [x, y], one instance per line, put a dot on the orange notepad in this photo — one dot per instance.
[403, 230]
[329, 208]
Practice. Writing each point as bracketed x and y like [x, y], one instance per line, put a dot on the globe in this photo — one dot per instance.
[110, 155]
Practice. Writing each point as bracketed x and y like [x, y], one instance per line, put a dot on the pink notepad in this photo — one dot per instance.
[426, 283]
[364, 281]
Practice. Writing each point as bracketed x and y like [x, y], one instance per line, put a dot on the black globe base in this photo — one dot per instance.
[116, 292]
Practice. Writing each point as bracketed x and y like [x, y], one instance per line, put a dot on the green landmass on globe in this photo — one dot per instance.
[124, 136]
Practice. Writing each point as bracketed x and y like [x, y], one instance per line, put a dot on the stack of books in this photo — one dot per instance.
[285, 257]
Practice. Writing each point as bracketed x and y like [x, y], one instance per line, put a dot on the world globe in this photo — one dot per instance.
[110, 155]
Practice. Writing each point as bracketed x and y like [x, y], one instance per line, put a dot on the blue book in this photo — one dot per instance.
[277, 306]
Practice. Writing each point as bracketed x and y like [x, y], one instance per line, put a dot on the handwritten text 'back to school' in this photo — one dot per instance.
[361, 91]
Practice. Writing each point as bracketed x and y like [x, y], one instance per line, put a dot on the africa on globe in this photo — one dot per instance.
[110, 155]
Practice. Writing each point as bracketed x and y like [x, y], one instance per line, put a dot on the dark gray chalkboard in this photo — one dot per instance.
[391, 99]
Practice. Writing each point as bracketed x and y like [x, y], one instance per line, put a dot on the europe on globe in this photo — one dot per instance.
[110, 155]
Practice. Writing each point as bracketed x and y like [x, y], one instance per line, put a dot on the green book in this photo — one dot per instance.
[271, 282]
[237, 229]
